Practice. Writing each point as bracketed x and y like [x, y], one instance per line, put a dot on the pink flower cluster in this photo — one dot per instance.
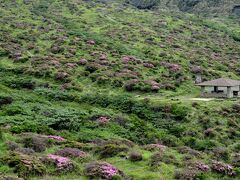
[91, 42]
[102, 170]
[58, 138]
[127, 59]
[62, 163]
[223, 168]
[103, 120]
[171, 67]
[82, 62]
[148, 65]
[108, 170]
[152, 147]
[202, 167]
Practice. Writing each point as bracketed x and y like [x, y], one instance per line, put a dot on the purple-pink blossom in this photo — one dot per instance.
[62, 163]
[108, 170]
[58, 138]
[152, 147]
[223, 168]
[102, 170]
[103, 120]
[91, 42]
[202, 167]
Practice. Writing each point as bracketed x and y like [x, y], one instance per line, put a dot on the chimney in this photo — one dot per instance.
[198, 78]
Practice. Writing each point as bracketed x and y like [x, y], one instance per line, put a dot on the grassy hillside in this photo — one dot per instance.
[210, 8]
[88, 82]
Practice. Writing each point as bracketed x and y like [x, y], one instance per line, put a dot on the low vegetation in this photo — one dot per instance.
[103, 90]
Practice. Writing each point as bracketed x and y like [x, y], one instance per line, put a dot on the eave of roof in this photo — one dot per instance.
[221, 82]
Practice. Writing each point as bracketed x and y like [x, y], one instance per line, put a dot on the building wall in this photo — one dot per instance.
[210, 89]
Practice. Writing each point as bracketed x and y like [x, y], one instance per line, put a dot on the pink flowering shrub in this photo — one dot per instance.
[148, 65]
[127, 59]
[196, 69]
[174, 67]
[57, 138]
[171, 67]
[82, 62]
[186, 174]
[102, 170]
[103, 57]
[103, 120]
[71, 152]
[153, 147]
[223, 168]
[91, 42]
[62, 163]
[202, 167]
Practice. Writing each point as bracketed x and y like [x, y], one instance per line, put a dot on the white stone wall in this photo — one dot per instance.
[210, 89]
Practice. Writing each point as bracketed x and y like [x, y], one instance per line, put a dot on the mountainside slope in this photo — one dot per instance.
[116, 83]
[201, 7]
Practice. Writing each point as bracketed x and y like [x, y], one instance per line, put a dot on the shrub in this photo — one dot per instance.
[31, 127]
[154, 147]
[4, 100]
[1, 135]
[221, 153]
[222, 168]
[37, 143]
[155, 160]
[210, 132]
[12, 145]
[56, 138]
[186, 174]
[180, 111]
[119, 142]
[188, 150]
[102, 170]
[121, 120]
[170, 159]
[71, 152]
[24, 165]
[135, 156]
[63, 164]
[27, 151]
[236, 160]
[19, 83]
[110, 150]
[92, 67]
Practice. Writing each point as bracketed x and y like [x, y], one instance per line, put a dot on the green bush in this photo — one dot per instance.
[34, 127]
[180, 111]
[110, 150]
[4, 100]
[18, 83]
[56, 95]
[1, 134]
[24, 165]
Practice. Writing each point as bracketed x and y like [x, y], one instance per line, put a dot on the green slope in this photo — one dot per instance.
[102, 74]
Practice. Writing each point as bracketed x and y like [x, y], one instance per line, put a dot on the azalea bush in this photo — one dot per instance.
[154, 147]
[63, 164]
[102, 170]
[223, 168]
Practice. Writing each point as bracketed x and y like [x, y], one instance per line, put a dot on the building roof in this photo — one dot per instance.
[221, 82]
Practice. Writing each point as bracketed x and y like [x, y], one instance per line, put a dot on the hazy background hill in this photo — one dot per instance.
[203, 7]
